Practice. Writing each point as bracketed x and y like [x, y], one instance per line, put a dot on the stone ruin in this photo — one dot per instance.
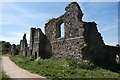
[39, 44]
[23, 46]
[12, 49]
[81, 40]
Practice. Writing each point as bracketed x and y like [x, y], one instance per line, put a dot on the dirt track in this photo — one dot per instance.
[13, 71]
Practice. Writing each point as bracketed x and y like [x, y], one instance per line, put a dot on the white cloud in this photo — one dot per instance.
[24, 18]
[12, 39]
[18, 36]
[114, 43]
[16, 7]
[15, 37]
[26, 14]
[108, 28]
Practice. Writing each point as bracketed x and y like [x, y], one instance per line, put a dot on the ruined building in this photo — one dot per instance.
[81, 40]
[39, 44]
[24, 46]
[12, 49]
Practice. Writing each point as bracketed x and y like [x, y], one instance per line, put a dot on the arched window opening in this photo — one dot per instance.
[62, 30]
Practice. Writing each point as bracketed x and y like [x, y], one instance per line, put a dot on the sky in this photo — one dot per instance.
[19, 17]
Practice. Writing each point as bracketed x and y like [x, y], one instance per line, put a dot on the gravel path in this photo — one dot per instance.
[13, 71]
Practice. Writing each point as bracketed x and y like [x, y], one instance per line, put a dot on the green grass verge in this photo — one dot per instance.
[4, 76]
[62, 68]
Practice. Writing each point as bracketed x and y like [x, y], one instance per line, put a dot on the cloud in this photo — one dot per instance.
[26, 13]
[26, 18]
[113, 40]
[109, 33]
[113, 43]
[15, 7]
[12, 39]
[15, 37]
[20, 35]
[108, 28]
[22, 18]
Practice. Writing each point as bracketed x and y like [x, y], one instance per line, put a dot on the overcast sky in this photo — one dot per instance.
[19, 17]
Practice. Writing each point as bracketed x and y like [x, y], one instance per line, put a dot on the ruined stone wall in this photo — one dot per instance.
[32, 31]
[82, 40]
[23, 46]
[13, 49]
[36, 43]
[39, 44]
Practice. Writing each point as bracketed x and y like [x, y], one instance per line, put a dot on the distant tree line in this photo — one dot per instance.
[5, 46]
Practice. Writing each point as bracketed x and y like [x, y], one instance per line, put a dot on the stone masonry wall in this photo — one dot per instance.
[23, 46]
[12, 50]
[39, 44]
[82, 40]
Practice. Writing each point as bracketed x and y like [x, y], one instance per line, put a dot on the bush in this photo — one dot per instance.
[88, 66]
[75, 64]
[4, 47]
[72, 63]
[31, 58]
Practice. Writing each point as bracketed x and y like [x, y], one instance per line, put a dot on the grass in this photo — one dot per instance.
[4, 76]
[62, 68]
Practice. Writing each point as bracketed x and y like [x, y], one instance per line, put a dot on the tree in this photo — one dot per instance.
[4, 47]
[17, 48]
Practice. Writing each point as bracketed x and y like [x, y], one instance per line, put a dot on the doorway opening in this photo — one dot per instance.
[35, 55]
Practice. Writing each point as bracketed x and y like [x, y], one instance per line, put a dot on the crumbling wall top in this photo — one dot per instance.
[24, 36]
[74, 9]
